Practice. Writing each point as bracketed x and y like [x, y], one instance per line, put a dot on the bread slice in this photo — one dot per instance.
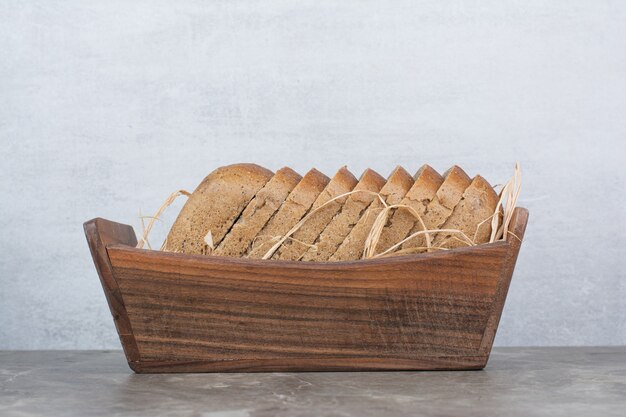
[290, 212]
[396, 187]
[257, 213]
[472, 215]
[441, 206]
[214, 206]
[339, 227]
[293, 249]
[402, 221]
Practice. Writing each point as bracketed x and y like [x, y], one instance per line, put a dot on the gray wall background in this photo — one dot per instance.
[107, 107]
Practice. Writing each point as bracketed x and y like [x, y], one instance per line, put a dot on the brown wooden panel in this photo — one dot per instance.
[100, 233]
[301, 364]
[191, 308]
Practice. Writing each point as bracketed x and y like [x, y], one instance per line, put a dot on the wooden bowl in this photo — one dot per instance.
[191, 313]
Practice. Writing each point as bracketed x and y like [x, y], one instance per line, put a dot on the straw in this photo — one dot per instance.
[371, 242]
[500, 223]
[465, 239]
[147, 229]
[506, 204]
[504, 208]
[298, 225]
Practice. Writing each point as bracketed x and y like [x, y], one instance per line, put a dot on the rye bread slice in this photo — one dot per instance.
[472, 215]
[257, 213]
[441, 206]
[290, 212]
[394, 190]
[402, 221]
[339, 227]
[214, 206]
[293, 249]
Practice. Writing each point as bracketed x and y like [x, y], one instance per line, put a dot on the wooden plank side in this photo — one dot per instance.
[303, 364]
[101, 233]
[519, 221]
[208, 309]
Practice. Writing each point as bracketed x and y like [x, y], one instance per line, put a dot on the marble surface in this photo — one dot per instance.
[517, 382]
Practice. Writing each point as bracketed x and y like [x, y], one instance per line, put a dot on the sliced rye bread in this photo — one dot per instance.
[214, 206]
[396, 187]
[257, 213]
[293, 249]
[290, 212]
[402, 221]
[339, 227]
[472, 215]
[441, 206]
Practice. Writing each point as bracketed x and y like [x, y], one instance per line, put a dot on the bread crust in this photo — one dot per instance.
[257, 213]
[290, 212]
[441, 206]
[394, 190]
[402, 221]
[214, 206]
[293, 249]
[349, 214]
[246, 208]
[472, 215]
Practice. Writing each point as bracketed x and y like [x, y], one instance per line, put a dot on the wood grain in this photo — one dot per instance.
[100, 233]
[184, 313]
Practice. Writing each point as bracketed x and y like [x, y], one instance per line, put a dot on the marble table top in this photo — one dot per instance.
[517, 382]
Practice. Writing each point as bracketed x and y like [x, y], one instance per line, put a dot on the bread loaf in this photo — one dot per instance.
[339, 227]
[294, 248]
[396, 187]
[245, 210]
[257, 213]
[214, 206]
[290, 212]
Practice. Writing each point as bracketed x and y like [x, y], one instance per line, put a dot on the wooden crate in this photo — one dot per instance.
[188, 313]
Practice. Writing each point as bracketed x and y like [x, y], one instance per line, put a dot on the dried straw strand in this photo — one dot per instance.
[298, 225]
[147, 229]
[506, 203]
[500, 223]
[465, 239]
[407, 251]
[505, 206]
[371, 242]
